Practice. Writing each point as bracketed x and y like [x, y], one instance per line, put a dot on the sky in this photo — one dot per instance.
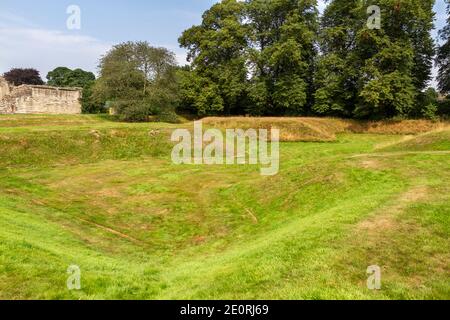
[34, 34]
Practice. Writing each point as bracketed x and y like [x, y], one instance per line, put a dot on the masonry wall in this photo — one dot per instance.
[4, 88]
[47, 100]
[28, 99]
[5, 104]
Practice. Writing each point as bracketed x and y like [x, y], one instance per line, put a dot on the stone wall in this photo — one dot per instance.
[47, 100]
[5, 106]
[4, 88]
[28, 99]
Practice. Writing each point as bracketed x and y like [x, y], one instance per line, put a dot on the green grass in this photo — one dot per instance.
[105, 196]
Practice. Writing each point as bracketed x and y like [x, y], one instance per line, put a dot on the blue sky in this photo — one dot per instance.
[34, 33]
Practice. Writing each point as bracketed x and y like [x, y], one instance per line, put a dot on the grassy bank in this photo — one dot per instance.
[105, 196]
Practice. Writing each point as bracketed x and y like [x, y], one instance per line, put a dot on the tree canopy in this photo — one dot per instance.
[216, 81]
[138, 80]
[65, 77]
[443, 57]
[282, 53]
[374, 72]
[279, 57]
[19, 76]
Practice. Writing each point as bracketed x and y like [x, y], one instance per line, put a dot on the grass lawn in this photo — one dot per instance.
[86, 191]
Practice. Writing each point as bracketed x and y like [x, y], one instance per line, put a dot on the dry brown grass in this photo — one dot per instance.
[404, 127]
[291, 129]
[325, 129]
[387, 219]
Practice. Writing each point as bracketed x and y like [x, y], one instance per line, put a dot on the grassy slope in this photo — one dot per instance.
[106, 197]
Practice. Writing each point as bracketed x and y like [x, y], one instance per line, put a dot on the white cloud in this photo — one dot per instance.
[8, 18]
[45, 49]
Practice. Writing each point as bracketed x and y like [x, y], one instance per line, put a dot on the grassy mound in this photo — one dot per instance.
[432, 141]
[106, 197]
[81, 146]
[291, 129]
[324, 129]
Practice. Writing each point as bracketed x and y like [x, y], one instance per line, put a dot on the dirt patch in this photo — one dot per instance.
[387, 219]
[371, 164]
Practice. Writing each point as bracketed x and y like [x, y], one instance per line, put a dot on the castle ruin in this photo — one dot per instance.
[33, 99]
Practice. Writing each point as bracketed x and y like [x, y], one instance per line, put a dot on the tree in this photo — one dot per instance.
[216, 83]
[23, 76]
[400, 68]
[369, 72]
[58, 77]
[138, 80]
[336, 76]
[443, 57]
[283, 34]
[65, 77]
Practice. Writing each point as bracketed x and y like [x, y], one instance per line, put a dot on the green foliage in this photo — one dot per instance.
[427, 105]
[430, 112]
[89, 103]
[59, 77]
[260, 57]
[375, 73]
[283, 35]
[138, 80]
[65, 77]
[443, 57]
[444, 108]
[217, 81]
[251, 57]
[337, 67]
[106, 197]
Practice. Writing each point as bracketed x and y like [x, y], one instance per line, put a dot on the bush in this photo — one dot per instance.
[145, 110]
[444, 108]
[430, 112]
[167, 116]
[133, 110]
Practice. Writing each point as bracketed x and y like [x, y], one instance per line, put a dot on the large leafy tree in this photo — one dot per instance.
[216, 81]
[138, 80]
[443, 57]
[395, 73]
[337, 65]
[19, 76]
[282, 54]
[374, 73]
[65, 77]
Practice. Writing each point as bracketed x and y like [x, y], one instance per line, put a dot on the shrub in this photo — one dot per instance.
[430, 112]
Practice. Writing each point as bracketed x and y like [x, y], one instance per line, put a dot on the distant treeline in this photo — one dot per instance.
[361, 59]
[280, 57]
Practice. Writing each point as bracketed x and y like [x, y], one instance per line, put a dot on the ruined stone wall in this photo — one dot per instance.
[5, 104]
[27, 99]
[47, 100]
[4, 88]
